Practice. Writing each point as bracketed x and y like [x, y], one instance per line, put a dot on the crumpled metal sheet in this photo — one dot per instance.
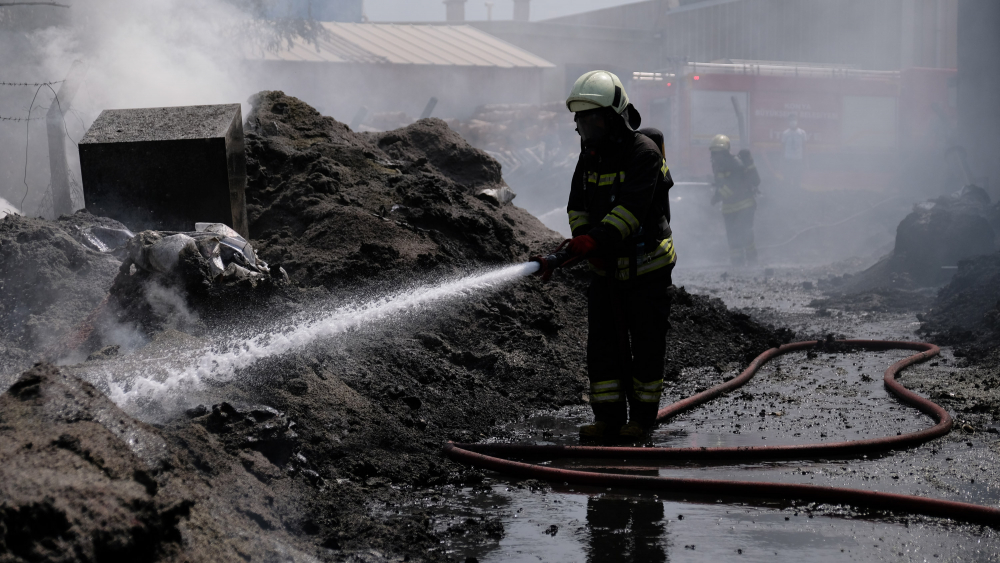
[497, 196]
[230, 256]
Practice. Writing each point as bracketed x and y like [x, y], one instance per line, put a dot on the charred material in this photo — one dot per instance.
[930, 243]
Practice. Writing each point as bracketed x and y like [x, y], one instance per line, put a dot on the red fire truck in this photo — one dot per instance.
[864, 128]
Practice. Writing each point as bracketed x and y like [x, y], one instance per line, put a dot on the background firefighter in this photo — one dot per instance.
[736, 182]
[618, 214]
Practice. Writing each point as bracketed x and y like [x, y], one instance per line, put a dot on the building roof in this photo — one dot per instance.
[408, 44]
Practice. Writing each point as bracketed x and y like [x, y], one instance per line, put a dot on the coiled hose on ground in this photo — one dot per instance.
[491, 456]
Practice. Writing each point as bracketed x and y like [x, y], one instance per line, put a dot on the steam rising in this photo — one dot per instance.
[138, 54]
[192, 371]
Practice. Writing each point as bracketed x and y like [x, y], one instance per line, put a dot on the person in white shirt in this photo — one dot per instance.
[793, 139]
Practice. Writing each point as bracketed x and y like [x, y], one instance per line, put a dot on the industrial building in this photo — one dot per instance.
[661, 34]
[399, 67]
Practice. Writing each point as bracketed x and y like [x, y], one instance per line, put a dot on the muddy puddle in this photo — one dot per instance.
[795, 399]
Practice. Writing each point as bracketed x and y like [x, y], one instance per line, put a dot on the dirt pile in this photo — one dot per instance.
[930, 242]
[536, 144]
[331, 449]
[337, 208]
[80, 480]
[72, 488]
[966, 313]
[49, 283]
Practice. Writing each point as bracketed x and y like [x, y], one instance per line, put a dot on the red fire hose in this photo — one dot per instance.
[488, 456]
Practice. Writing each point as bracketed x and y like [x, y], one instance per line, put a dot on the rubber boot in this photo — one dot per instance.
[634, 431]
[597, 431]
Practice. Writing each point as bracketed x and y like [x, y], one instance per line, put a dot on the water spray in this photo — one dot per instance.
[221, 362]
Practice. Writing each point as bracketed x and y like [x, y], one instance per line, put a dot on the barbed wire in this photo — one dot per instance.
[57, 5]
[32, 84]
[2, 118]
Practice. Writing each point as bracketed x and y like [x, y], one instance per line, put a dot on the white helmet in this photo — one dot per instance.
[720, 143]
[597, 89]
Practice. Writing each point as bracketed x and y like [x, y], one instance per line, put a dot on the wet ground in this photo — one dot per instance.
[795, 399]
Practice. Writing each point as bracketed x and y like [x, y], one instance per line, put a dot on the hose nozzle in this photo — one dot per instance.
[560, 258]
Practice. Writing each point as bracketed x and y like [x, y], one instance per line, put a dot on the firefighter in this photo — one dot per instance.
[736, 182]
[617, 206]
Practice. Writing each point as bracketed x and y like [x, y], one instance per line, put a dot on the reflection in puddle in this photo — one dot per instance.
[626, 529]
[795, 400]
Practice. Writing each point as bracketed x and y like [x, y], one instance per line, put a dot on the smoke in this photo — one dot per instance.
[137, 54]
[182, 52]
[169, 304]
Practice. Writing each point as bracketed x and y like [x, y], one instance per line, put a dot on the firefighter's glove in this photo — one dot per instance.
[745, 158]
[581, 246]
[561, 258]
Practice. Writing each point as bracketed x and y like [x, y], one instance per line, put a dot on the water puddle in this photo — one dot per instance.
[598, 526]
[796, 399]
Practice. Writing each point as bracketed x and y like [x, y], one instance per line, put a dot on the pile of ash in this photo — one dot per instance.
[50, 282]
[930, 243]
[330, 431]
[537, 146]
[966, 313]
[338, 209]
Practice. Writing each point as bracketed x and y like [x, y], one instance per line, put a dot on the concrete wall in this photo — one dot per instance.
[979, 87]
[338, 90]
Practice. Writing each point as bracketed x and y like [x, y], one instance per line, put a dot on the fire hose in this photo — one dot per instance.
[492, 456]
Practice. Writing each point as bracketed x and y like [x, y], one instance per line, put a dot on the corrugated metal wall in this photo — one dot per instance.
[866, 33]
[869, 34]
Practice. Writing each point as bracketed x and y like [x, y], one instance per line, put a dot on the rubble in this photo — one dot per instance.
[966, 313]
[930, 243]
[49, 282]
[537, 146]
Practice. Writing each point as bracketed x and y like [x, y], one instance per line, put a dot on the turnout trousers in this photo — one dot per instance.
[627, 346]
[739, 233]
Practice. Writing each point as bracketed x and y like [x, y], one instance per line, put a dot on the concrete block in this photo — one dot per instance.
[167, 168]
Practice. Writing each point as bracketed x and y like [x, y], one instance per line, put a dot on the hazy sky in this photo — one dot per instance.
[433, 10]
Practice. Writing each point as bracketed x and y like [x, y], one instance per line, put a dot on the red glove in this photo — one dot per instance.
[581, 246]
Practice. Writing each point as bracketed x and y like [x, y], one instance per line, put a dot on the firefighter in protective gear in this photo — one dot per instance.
[617, 213]
[736, 181]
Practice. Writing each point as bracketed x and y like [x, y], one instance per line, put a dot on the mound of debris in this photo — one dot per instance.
[50, 281]
[930, 242]
[966, 313]
[81, 480]
[340, 209]
[55, 427]
[536, 144]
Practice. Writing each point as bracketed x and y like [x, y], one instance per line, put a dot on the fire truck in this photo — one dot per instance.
[869, 130]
